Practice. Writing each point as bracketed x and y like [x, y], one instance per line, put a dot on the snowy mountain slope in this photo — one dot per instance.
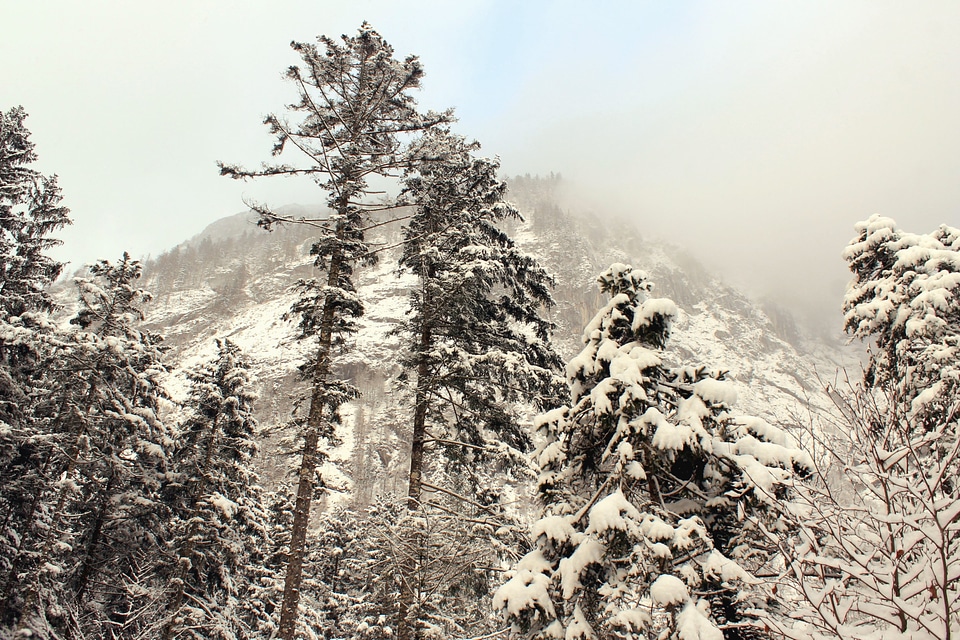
[234, 280]
[777, 367]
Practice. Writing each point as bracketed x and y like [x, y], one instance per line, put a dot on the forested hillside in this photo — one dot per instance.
[466, 410]
[214, 284]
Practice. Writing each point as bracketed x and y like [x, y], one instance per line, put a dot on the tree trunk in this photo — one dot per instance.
[298, 536]
[86, 568]
[308, 462]
[407, 629]
[419, 424]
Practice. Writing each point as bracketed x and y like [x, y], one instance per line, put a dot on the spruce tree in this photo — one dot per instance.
[478, 341]
[218, 511]
[655, 495]
[105, 514]
[478, 353]
[355, 574]
[355, 105]
[30, 212]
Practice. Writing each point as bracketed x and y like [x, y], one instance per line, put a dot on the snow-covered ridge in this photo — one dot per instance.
[233, 280]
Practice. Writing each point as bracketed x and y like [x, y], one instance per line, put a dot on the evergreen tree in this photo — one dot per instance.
[359, 572]
[478, 341]
[655, 494]
[263, 594]
[478, 347]
[218, 520]
[354, 574]
[904, 298]
[104, 523]
[30, 212]
[355, 105]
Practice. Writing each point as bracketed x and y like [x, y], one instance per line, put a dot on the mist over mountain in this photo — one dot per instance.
[234, 280]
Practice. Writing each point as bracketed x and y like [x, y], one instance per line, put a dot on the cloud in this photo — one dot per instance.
[753, 133]
[758, 137]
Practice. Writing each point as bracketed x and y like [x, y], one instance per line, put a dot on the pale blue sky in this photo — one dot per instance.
[753, 133]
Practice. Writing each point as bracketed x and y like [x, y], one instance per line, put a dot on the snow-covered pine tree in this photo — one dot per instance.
[354, 573]
[905, 296]
[105, 513]
[266, 563]
[355, 105]
[653, 490]
[30, 212]
[478, 341]
[880, 550]
[478, 344]
[218, 512]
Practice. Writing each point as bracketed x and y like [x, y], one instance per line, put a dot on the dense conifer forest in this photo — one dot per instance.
[559, 464]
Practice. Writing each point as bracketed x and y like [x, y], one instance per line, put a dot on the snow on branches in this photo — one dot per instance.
[905, 295]
[653, 490]
[879, 550]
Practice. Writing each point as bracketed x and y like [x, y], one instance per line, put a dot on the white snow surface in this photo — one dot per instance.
[671, 436]
[668, 591]
[718, 566]
[525, 590]
[609, 512]
[717, 392]
[589, 551]
[555, 528]
[693, 624]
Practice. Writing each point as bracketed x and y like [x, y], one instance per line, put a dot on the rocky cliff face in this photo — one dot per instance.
[234, 279]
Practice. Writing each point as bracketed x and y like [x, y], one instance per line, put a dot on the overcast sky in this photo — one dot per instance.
[755, 134]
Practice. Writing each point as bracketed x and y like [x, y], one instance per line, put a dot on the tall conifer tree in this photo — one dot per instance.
[218, 519]
[104, 515]
[478, 345]
[478, 341]
[355, 104]
[30, 212]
